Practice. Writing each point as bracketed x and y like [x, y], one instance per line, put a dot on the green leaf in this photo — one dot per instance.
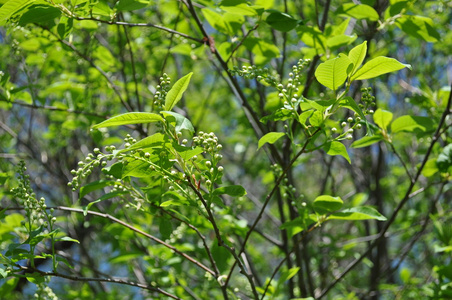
[181, 122]
[187, 152]
[382, 118]
[357, 55]
[104, 197]
[336, 148]
[165, 228]
[444, 161]
[129, 5]
[40, 14]
[367, 141]
[270, 138]
[238, 7]
[418, 27]
[312, 37]
[130, 118]
[262, 48]
[176, 92]
[215, 20]
[65, 27]
[96, 185]
[156, 140]
[11, 7]
[66, 239]
[412, 123]
[3, 177]
[281, 21]
[358, 213]
[378, 66]
[358, 11]
[231, 190]
[333, 72]
[326, 204]
[340, 40]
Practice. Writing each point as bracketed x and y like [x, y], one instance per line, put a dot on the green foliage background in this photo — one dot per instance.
[287, 167]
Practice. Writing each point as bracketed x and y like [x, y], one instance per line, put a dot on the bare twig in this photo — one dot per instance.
[112, 280]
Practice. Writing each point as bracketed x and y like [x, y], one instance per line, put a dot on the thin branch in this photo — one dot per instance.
[111, 218]
[241, 42]
[267, 199]
[118, 23]
[112, 280]
[54, 108]
[402, 203]
[408, 173]
[99, 69]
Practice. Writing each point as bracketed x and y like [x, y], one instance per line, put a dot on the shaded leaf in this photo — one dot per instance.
[281, 21]
[326, 204]
[231, 190]
[418, 27]
[181, 122]
[96, 185]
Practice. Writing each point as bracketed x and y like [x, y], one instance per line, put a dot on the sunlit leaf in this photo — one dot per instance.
[336, 148]
[333, 72]
[176, 92]
[130, 118]
[412, 123]
[382, 118]
[357, 56]
[270, 138]
[378, 66]
[419, 27]
[358, 11]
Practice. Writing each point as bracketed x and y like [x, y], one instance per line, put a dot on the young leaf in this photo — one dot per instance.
[336, 148]
[270, 138]
[367, 141]
[382, 118]
[412, 123]
[378, 66]
[231, 190]
[130, 118]
[358, 213]
[129, 5]
[358, 11]
[176, 92]
[182, 123]
[333, 72]
[154, 141]
[325, 204]
[357, 55]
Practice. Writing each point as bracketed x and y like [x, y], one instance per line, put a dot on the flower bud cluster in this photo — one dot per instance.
[209, 142]
[368, 101]
[86, 167]
[161, 91]
[35, 209]
[178, 233]
[44, 292]
[251, 72]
